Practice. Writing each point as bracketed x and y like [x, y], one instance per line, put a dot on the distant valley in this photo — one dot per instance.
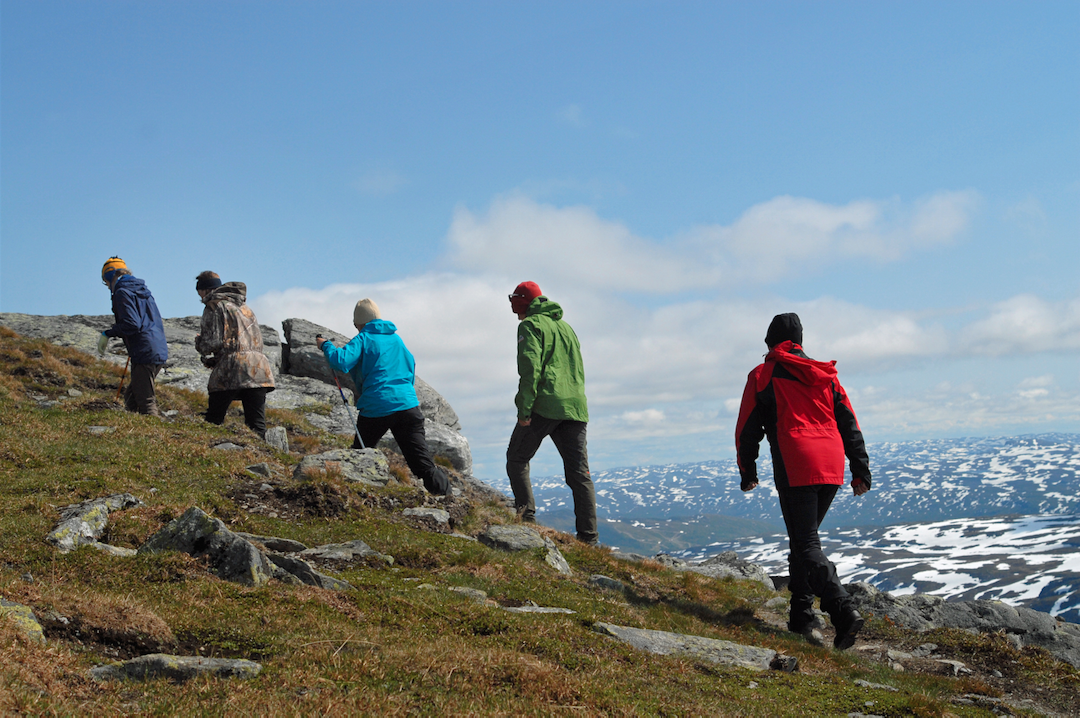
[677, 506]
[960, 518]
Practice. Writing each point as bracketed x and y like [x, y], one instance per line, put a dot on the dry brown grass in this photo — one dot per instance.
[36, 680]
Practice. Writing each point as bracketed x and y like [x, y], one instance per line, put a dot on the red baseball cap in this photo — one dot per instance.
[523, 295]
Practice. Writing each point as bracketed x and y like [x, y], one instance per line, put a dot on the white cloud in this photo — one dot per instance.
[570, 245]
[665, 370]
[1025, 324]
[646, 416]
[768, 242]
[788, 234]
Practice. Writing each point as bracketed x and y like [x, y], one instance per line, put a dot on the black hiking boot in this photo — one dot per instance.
[847, 624]
[809, 629]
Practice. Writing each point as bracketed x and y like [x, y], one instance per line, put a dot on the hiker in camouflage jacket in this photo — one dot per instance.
[230, 341]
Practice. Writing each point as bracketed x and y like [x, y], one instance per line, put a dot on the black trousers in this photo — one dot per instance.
[408, 429]
[254, 401]
[812, 574]
[569, 439]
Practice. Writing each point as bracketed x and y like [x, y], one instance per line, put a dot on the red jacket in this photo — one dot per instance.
[799, 405]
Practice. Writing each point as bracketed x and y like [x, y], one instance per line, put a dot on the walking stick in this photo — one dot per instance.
[342, 393]
[122, 376]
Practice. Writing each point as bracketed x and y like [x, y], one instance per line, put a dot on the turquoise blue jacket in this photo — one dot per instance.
[381, 367]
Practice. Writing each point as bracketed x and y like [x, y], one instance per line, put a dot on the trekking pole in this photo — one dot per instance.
[342, 393]
[121, 387]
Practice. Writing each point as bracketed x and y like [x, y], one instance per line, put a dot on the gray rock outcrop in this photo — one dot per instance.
[607, 583]
[708, 649]
[921, 612]
[301, 374]
[273, 543]
[176, 668]
[84, 523]
[304, 572]
[231, 558]
[522, 538]
[278, 438]
[348, 551]
[363, 466]
[435, 519]
[24, 619]
[238, 557]
[726, 564]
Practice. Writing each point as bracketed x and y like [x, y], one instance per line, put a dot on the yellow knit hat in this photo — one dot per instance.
[111, 266]
[364, 312]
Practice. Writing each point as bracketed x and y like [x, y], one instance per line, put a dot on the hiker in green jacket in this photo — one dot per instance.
[550, 402]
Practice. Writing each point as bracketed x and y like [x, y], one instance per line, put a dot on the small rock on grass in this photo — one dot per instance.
[176, 668]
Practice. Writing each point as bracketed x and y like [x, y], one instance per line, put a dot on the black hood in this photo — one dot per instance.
[783, 328]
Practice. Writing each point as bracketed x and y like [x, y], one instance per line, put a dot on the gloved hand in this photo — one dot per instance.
[102, 344]
[209, 361]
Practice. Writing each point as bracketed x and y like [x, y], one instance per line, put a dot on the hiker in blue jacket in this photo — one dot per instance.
[138, 323]
[384, 371]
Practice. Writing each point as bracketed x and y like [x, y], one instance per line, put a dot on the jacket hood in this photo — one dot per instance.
[806, 370]
[784, 328]
[379, 326]
[544, 306]
[132, 284]
[235, 292]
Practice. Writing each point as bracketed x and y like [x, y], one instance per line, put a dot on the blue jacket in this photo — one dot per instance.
[138, 322]
[382, 369]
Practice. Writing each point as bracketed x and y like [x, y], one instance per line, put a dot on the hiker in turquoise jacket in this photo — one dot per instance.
[383, 371]
[550, 402]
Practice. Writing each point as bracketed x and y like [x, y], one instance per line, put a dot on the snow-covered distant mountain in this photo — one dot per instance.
[916, 481]
[960, 518]
[1029, 560]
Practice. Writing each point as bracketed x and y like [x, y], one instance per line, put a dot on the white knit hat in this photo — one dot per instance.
[365, 311]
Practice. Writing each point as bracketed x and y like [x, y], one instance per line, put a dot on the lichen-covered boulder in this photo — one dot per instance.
[364, 466]
[176, 668]
[523, 538]
[713, 650]
[23, 617]
[83, 523]
[230, 557]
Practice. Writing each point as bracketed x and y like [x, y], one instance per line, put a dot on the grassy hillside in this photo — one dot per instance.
[401, 642]
[649, 536]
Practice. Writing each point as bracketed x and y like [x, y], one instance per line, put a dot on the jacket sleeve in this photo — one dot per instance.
[749, 431]
[347, 357]
[854, 445]
[126, 313]
[530, 364]
[211, 331]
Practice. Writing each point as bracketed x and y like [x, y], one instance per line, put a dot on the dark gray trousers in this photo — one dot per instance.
[139, 393]
[569, 439]
[812, 574]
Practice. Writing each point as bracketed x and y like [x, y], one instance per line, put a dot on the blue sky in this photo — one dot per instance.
[905, 175]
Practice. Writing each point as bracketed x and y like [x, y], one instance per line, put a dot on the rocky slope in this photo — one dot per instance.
[300, 372]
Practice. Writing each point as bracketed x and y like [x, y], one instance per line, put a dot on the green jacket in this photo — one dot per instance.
[552, 375]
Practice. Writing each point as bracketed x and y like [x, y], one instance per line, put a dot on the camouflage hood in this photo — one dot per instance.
[230, 333]
[235, 292]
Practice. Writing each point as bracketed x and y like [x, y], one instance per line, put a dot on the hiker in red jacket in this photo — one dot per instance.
[799, 405]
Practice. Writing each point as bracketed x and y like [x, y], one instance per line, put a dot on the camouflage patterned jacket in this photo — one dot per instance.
[230, 332]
